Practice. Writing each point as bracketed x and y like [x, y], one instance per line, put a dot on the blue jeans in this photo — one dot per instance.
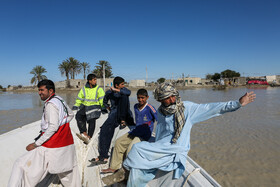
[119, 113]
[106, 134]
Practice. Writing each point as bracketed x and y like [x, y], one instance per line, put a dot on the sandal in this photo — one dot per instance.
[97, 161]
[118, 176]
[109, 170]
[83, 138]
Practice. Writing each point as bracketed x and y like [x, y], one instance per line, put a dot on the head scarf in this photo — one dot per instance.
[163, 91]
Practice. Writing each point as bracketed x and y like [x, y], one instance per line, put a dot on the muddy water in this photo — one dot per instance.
[18, 109]
[238, 149]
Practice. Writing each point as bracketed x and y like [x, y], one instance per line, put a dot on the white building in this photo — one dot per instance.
[192, 80]
[273, 79]
[137, 83]
[79, 83]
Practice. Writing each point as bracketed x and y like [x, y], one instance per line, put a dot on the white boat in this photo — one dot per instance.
[13, 145]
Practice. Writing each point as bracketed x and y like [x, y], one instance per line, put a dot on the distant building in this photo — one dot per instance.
[137, 83]
[186, 81]
[239, 80]
[208, 82]
[73, 83]
[273, 79]
[20, 87]
[79, 83]
[108, 82]
[11, 88]
[192, 81]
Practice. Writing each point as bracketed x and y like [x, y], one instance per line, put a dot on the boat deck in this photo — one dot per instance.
[14, 142]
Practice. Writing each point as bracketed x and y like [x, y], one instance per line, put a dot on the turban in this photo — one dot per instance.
[163, 91]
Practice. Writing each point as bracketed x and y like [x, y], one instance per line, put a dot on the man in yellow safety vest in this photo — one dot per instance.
[89, 104]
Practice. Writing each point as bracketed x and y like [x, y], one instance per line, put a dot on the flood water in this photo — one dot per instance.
[241, 148]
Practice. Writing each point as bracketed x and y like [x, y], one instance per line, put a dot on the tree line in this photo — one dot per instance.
[215, 77]
[71, 67]
[224, 74]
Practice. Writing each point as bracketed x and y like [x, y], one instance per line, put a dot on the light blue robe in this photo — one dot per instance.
[164, 155]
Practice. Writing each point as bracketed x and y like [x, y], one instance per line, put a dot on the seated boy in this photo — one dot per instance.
[119, 114]
[145, 116]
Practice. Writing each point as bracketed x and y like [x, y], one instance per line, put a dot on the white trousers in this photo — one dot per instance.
[32, 167]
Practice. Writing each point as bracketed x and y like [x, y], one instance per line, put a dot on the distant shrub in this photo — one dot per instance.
[161, 80]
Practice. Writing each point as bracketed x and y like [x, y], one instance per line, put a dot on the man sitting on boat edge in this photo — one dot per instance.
[53, 151]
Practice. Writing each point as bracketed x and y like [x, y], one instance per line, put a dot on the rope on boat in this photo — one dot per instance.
[195, 170]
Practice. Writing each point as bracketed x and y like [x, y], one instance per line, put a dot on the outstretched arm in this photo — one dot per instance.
[201, 112]
[247, 98]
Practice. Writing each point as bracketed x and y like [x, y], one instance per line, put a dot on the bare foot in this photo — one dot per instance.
[84, 133]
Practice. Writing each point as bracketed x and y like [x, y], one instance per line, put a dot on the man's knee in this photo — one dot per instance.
[118, 144]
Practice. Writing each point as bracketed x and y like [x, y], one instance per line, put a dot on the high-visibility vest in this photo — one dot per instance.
[90, 96]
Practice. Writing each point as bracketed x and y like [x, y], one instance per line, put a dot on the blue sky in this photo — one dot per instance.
[169, 37]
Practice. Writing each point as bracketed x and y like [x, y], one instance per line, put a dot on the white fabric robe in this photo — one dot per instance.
[33, 166]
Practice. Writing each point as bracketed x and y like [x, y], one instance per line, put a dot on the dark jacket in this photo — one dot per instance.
[119, 103]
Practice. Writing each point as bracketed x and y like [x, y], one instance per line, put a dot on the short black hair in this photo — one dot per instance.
[118, 80]
[48, 83]
[91, 76]
[142, 91]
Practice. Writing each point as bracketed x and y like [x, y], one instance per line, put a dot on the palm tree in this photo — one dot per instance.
[85, 67]
[71, 67]
[64, 69]
[98, 71]
[38, 71]
[75, 67]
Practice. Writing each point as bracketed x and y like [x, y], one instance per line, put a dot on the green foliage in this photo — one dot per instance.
[161, 80]
[224, 74]
[208, 76]
[70, 66]
[75, 67]
[98, 71]
[37, 73]
[216, 76]
[1, 87]
[85, 66]
[64, 69]
[229, 74]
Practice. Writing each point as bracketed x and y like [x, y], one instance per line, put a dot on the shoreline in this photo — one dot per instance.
[136, 88]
